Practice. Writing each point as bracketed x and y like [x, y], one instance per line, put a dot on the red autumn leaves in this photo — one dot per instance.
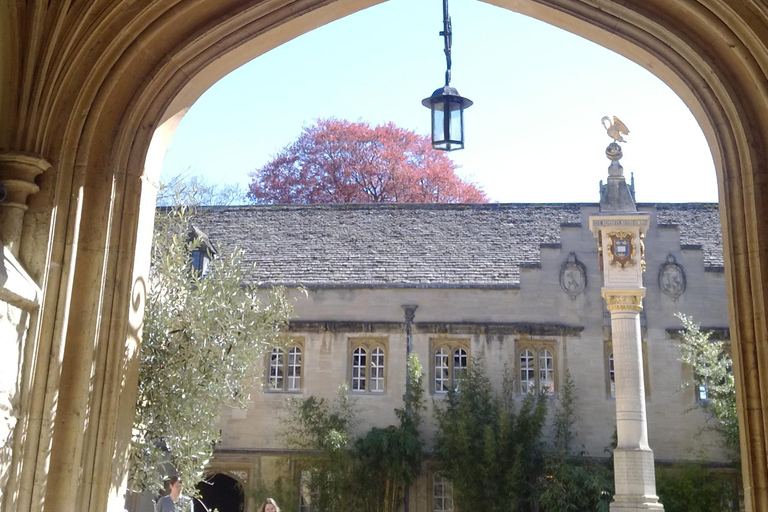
[336, 161]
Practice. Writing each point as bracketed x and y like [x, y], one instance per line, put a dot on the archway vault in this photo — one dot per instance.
[85, 84]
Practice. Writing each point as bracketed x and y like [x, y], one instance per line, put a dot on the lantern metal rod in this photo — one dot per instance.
[447, 36]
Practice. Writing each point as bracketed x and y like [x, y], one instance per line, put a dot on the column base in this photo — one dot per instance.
[641, 504]
[635, 479]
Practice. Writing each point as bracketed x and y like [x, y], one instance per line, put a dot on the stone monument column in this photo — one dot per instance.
[620, 230]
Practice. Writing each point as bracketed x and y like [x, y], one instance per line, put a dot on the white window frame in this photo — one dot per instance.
[537, 370]
[276, 378]
[285, 369]
[377, 369]
[293, 367]
[546, 360]
[450, 362]
[368, 366]
[442, 370]
[359, 368]
[442, 494]
[527, 371]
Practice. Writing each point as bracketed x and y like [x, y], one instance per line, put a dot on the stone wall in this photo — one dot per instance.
[494, 324]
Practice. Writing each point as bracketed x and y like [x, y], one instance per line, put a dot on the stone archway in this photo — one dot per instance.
[221, 492]
[84, 86]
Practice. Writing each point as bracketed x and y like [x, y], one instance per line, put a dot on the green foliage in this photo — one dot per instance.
[315, 424]
[283, 491]
[203, 340]
[368, 474]
[415, 404]
[322, 430]
[713, 368]
[389, 459]
[491, 454]
[687, 488]
[572, 483]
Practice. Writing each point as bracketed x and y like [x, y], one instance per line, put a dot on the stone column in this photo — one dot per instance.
[620, 230]
[17, 181]
[635, 479]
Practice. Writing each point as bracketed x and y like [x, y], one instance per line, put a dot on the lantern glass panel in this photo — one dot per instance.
[438, 124]
[456, 132]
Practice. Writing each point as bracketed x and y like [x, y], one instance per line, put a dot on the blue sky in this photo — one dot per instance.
[533, 135]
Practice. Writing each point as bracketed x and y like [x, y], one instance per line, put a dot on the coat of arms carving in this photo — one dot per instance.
[573, 276]
[672, 278]
[621, 248]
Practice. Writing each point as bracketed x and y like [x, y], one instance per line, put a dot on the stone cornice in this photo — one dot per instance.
[465, 328]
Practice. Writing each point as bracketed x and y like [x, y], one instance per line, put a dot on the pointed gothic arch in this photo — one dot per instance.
[84, 87]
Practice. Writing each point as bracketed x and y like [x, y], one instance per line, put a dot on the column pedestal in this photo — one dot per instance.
[635, 481]
[634, 472]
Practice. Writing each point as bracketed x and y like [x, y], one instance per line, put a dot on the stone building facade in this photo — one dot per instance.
[503, 285]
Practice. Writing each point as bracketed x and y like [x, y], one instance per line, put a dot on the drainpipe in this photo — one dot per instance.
[410, 312]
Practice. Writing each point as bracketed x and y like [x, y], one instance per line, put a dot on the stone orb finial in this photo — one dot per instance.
[613, 152]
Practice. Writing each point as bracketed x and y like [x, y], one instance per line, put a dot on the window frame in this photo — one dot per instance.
[305, 478]
[445, 484]
[286, 366]
[537, 347]
[451, 346]
[373, 371]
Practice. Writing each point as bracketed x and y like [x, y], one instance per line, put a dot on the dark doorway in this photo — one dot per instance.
[220, 492]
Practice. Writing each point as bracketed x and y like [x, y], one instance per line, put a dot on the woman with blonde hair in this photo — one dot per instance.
[269, 506]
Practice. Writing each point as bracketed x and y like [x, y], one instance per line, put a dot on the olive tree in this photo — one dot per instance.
[204, 336]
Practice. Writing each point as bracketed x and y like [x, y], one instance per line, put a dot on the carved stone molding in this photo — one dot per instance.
[17, 179]
[238, 474]
[573, 276]
[672, 278]
[624, 301]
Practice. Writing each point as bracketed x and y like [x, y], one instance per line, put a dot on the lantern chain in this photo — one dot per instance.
[447, 35]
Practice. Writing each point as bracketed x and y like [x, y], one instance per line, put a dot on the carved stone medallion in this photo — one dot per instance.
[672, 278]
[240, 475]
[573, 276]
[621, 249]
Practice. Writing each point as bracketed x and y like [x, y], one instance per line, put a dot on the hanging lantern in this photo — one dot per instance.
[446, 105]
[447, 108]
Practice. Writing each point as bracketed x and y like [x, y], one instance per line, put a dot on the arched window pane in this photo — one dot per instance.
[547, 372]
[377, 370]
[358, 369]
[527, 375]
[459, 366]
[276, 369]
[442, 371]
[294, 369]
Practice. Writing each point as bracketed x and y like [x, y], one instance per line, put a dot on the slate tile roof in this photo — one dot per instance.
[699, 225]
[414, 246]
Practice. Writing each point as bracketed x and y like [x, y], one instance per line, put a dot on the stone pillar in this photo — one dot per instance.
[17, 181]
[620, 230]
[635, 479]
